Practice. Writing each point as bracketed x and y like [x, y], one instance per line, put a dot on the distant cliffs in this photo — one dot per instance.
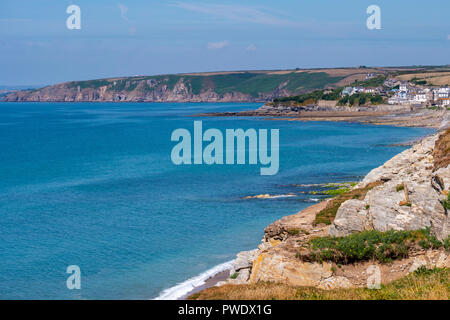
[217, 87]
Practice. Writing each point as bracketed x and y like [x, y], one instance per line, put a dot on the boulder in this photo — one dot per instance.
[409, 199]
[352, 216]
[244, 260]
[279, 268]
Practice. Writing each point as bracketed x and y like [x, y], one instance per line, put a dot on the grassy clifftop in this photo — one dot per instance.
[423, 284]
[233, 86]
[246, 83]
[196, 87]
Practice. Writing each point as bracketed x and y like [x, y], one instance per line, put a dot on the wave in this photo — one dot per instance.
[268, 196]
[283, 196]
[183, 288]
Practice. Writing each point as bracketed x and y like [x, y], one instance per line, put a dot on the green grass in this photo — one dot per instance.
[447, 243]
[327, 215]
[446, 203]
[89, 84]
[423, 284]
[255, 83]
[234, 275]
[360, 99]
[336, 192]
[374, 82]
[250, 83]
[370, 245]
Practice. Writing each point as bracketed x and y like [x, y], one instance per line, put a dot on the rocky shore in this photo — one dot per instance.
[408, 192]
[394, 115]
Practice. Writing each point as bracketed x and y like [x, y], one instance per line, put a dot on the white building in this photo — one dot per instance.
[444, 102]
[420, 97]
[404, 87]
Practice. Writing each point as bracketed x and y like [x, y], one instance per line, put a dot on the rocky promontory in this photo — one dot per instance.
[238, 86]
[393, 115]
[396, 219]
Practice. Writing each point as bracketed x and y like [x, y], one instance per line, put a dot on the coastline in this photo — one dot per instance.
[283, 260]
[202, 281]
[209, 283]
[211, 278]
[382, 115]
[221, 272]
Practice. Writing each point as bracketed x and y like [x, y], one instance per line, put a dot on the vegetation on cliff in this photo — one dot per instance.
[227, 86]
[328, 214]
[333, 95]
[309, 98]
[360, 99]
[423, 284]
[371, 245]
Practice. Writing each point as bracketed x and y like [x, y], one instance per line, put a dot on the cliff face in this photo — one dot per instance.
[410, 198]
[408, 192]
[180, 93]
[222, 87]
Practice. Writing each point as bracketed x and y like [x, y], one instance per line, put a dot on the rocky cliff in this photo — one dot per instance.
[213, 87]
[408, 192]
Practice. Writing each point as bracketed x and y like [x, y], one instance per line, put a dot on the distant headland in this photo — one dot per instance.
[230, 86]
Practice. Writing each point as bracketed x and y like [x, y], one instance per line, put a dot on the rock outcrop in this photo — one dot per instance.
[239, 86]
[136, 91]
[410, 197]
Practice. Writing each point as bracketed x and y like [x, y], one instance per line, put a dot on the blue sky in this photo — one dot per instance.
[146, 37]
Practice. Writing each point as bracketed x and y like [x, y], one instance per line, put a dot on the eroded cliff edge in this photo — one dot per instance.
[408, 192]
[239, 86]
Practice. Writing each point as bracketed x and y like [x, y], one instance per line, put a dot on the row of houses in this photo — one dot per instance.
[349, 91]
[408, 94]
[405, 93]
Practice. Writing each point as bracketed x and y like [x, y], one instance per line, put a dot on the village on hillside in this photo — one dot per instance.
[401, 92]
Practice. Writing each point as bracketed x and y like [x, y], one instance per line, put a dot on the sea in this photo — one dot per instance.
[92, 185]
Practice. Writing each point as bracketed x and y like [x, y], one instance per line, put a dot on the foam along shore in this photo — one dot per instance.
[204, 280]
[269, 196]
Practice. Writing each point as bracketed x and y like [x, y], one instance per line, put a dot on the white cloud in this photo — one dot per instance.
[123, 11]
[238, 13]
[218, 45]
[251, 47]
[123, 15]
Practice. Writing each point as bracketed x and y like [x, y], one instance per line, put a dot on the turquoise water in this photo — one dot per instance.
[93, 185]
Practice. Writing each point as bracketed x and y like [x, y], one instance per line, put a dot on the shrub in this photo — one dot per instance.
[293, 232]
[400, 187]
[234, 275]
[446, 203]
[327, 215]
[447, 243]
[371, 245]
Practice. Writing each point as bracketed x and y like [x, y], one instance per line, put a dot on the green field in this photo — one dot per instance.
[251, 83]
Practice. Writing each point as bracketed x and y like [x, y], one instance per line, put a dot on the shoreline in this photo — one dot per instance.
[423, 117]
[197, 283]
[214, 277]
[211, 277]
[305, 213]
[209, 283]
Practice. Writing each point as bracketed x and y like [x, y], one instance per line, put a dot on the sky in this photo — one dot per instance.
[149, 37]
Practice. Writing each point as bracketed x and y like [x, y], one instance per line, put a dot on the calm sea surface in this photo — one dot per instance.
[93, 185]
